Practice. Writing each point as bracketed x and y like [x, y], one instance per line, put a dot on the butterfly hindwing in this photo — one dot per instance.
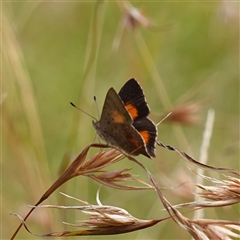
[147, 130]
[129, 141]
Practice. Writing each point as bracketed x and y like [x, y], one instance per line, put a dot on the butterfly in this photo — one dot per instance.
[124, 122]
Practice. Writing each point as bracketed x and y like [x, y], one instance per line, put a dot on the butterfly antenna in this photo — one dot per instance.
[164, 118]
[95, 100]
[82, 111]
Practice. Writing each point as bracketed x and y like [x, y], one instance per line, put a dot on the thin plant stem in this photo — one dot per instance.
[204, 156]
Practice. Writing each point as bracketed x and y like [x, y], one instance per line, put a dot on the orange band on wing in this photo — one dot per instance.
[132, 110]
[146, 136]
[117, 117]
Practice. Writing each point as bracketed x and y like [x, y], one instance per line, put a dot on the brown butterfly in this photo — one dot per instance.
[124, 123]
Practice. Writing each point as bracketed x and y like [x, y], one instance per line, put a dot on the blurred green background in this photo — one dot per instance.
[56, 52]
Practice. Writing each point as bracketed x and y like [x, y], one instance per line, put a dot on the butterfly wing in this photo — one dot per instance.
[115, 126]
[134, 100]
[147, 129]
[126, 138]
[114, 110]
[133, 97]
[113, 113]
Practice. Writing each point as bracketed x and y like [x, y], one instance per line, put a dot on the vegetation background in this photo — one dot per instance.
[182, 53]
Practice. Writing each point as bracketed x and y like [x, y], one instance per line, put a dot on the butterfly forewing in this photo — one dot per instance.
[114, 110]
[133, 97]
